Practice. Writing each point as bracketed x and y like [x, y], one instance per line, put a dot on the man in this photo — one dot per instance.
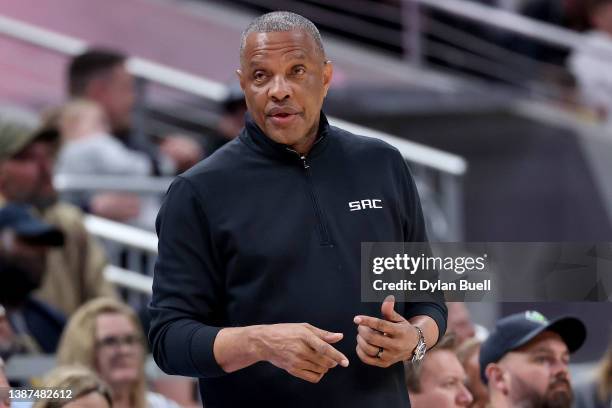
[75, 272]
[257, 287]
[525, 360]
[590, 64]
[24, 240]
[440, 380]
[101, 75]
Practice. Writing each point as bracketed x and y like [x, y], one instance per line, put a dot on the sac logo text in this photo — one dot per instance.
[365, 204]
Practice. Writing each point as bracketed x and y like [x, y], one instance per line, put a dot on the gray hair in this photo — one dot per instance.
[278, 21]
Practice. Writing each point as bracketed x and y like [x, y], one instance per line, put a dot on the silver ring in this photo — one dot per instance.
[380, 351]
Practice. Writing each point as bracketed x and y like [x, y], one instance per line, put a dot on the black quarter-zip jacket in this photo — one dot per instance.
[257, 234]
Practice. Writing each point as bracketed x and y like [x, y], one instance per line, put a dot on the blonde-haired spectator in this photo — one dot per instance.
[105, 335]
[86, 389]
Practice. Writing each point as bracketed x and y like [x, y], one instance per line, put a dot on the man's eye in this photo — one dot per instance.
[259, 76]
[299, 70]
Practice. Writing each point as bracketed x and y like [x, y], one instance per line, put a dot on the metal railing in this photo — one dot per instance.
[447, 169]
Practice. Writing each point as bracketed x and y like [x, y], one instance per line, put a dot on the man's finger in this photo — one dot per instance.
[329, 337]
[310, 366]
[376, 338]
[369, 360]
[388, 310]
[377, 324]
[324, 348]
[369, 349]
[307, 375]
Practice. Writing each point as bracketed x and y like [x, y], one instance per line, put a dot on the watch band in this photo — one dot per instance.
[421, 347]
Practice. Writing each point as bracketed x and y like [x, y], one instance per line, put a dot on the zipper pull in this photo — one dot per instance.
[303, 158]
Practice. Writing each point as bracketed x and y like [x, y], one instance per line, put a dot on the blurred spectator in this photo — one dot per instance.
[75, 273]
[591, 63]
[232, 119]
[460, 322]
[87, 390]
[597, 393]
[440, 380]
[88, 148]
[5, 402]
[525, 361]
[570, 14]
[105, 335]
[468, 353]
[102, 76]
[26, 325]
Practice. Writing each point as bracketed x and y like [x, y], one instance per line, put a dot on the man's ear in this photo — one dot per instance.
[498, 378]
[328, 73]
[240, 76]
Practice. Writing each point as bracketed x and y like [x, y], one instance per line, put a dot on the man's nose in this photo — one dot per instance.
[464, 397]
[279, 89]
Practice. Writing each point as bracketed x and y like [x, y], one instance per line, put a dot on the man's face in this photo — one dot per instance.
[601, 18]
[115, 93]
[28, 176]
[285, 79]
[539, 373]
[442, 382]
[460, 322]
[119, 351]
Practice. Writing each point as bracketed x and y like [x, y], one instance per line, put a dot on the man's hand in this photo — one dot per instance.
[384, 342]
[301, 349]
[115, 206]
[184, 151]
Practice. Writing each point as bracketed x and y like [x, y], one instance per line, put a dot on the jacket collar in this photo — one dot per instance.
[254, 137]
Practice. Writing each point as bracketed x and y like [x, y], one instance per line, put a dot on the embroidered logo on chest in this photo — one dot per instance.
[368, 203]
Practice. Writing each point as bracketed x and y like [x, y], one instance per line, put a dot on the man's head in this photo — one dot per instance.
[460, 322]
[285, 75]
[27, 157]
[525, 360]
[439, 381]
[101, 75]
[600, 14]
[24, 240]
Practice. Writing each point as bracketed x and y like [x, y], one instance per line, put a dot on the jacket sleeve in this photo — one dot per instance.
[415, 231]
[186, 305]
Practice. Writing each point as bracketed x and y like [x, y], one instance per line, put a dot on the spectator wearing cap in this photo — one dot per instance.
[525, 361]
[33, 325]
[75, 271]
[439, 381]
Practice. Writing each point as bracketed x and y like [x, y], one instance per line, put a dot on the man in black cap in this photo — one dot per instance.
[525, 360]
[24, 240]
[75, 272]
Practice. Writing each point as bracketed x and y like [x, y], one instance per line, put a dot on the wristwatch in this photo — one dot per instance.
[420, 349]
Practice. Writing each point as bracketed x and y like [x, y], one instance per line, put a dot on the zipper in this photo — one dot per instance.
[323, 233]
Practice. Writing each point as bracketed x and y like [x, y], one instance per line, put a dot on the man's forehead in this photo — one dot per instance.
[545, 341]
[299, 42]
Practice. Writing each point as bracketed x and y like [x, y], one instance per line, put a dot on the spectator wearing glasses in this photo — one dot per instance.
[105, 335]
